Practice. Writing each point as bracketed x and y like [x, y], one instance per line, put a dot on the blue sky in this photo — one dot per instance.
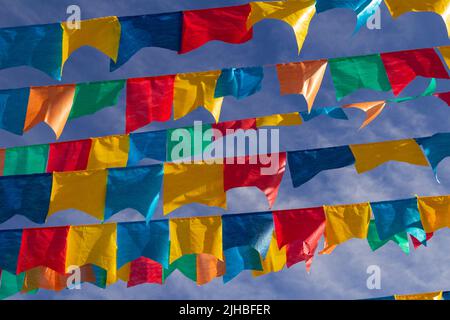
[341, 275]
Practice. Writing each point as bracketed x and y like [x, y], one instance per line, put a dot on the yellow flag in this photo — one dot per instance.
[124, 272]
[286, 119]
[434, 212]
[193, 90]
[441, 7]
[51, 105]
[371, 155]
[80, 190]
[109, 152]
[101, 33]
[445, 52]
[94, 244]
[298, 14]
[420, 296]
[346, 222]
[193, 183]
[275, 259]
[195, 235]
[372, 109]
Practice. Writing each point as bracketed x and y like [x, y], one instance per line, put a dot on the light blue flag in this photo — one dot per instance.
[306, 164]
[10, 241]
[363, 8]
[239, 82]
[250, 229]
[135, 187]
[156, 30]
[238, 259]
[332, 112]
[436, 148]
[147, 145]
[393, 217]
[138, 239]
[13, 109]
[38, 46]
[26, 195]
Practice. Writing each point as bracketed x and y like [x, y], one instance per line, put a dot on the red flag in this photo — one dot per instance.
[69, 156]
[227, 24]
[300, 230]
[402, 67]
[148, 99]
[249, 171]
[245, 124]
[144, 270]
[417, 243]
[43, 247]
[444, 96]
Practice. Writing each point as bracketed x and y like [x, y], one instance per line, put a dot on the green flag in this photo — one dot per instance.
[375, 242]
[26, 159]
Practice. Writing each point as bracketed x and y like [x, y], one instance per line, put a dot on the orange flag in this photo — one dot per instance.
[302, 78]
[372, 110]
[51, 105]
[208, 268]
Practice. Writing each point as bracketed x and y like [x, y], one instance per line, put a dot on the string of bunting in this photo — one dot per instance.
[436, 295]
[206, 247]
[47, 47]
[152, 99]
[102, 193]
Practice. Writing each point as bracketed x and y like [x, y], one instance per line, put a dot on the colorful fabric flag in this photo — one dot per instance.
[69, 156]
[253, 171]
[399, 7]
[43, 247]
[144, 270]
[27, 195]
[402, 67]
[193, 183]
[445, 52]
[228, 24]
[2, 161]
[238, 259]
[135, 187]
[192, 90]
[37, 46]
[275, 259]
[248, 230]
[26, 160]
[444, 96]
[148, 99]
[434, 212]
[302, 78]
[371, 155]
[208, 268]
[140, 239]
[421, 296]
[10, 242]
[91, 97]
[13, 108]
[417, 243]
[306, 164]
[298, 14]
[144, 145]
[332, 112]
[374, 241]
[230, 127]
[436, 148]
[275, 120]
[300, 230]
[363, 8]
[81, 190]
[94, 244]
[353, 73]
[345, 222]
[109, 152]
[187, 265]
[102, 34]
[372, 109]
[188, 142]
[239, 82]
[51, 105]
[195, 235]
[10, 284]
[393, 217]
[152, 30]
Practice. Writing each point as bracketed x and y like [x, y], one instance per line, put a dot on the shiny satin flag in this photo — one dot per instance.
[434, 212]
[109, 152]
[372, 109]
